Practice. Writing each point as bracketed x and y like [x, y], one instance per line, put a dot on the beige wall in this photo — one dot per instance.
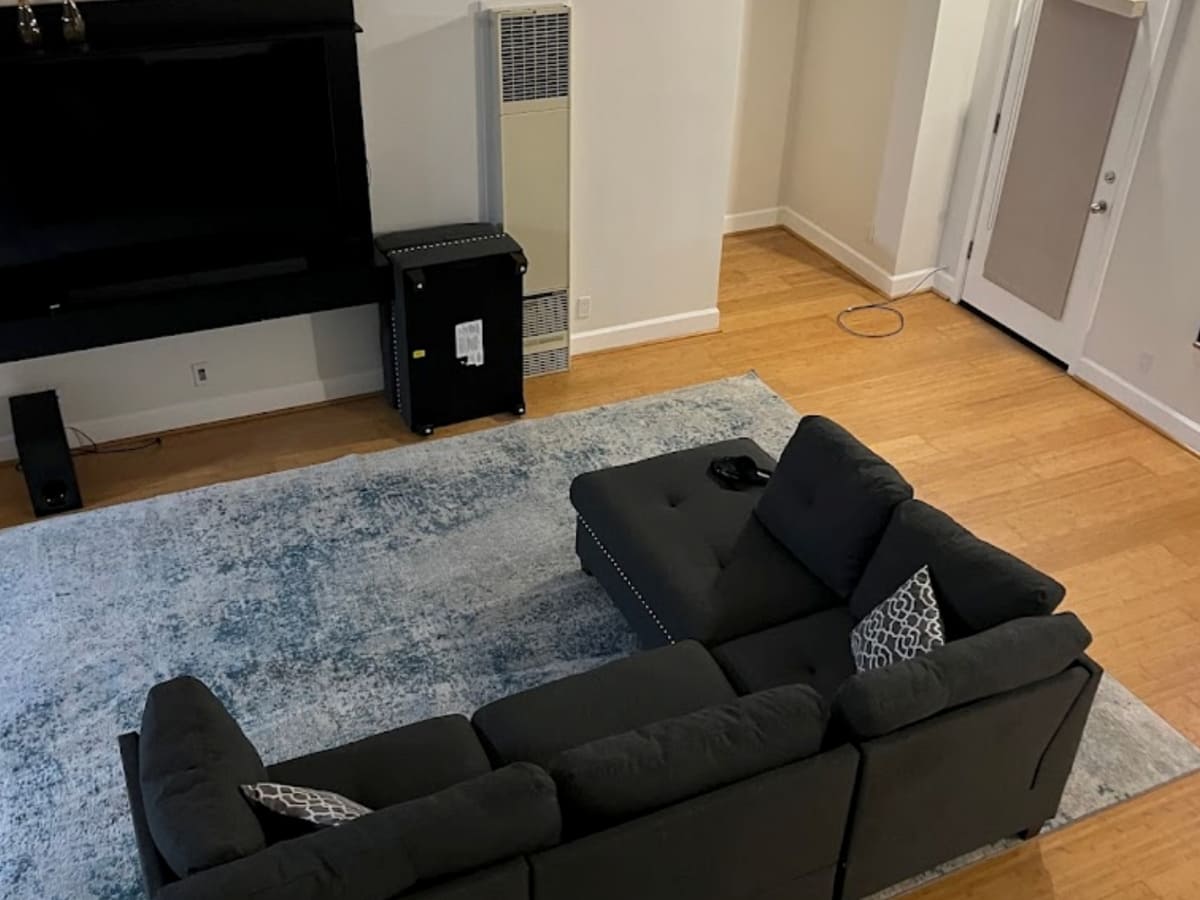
[768, 59]
[1140, 345]
[847, 55]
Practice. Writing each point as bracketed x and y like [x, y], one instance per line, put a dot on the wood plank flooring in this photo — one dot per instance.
[983, 427]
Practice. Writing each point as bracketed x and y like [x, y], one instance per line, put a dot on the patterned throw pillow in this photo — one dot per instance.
[902, 627]
[323, 808]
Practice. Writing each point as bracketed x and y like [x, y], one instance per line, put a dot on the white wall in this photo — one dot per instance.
[768, 59]
[846, 61]
[971, 158]
[653, 143]
[929, 112]
[1139, 349]
[653, 106]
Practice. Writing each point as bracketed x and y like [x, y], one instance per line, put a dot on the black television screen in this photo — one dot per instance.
[145, 164]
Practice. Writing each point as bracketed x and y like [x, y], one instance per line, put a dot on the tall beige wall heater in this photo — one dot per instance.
[528, 148]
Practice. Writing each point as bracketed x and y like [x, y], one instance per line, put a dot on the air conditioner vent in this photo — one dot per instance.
[535, 56]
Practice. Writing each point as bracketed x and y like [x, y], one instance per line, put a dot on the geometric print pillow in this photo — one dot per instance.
[323, 808]
[902, 627]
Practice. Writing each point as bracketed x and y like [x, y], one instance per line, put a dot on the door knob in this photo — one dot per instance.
[1100, 206]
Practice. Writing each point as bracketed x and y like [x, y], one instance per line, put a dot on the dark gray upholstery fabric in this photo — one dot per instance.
[393, 767]
[774, 836]
[963, 779]
[814, 651]
[506, 813]
[495, 817]
[1001, 659]
[193, 760]
[830, 500]
[361, 859]
[537, 725]
[506, 881]
[691, 548]
[620, 777]
[977, 585]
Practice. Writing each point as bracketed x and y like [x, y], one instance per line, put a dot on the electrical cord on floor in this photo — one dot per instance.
[886, 306]
[91, 448]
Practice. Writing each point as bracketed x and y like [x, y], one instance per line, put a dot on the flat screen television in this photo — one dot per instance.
[178, 178]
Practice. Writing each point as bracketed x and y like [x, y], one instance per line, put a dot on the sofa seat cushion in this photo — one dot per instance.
[194, 759]
[829, 502]
[702, 565]
[395, 766]
[814, 651]
[624, 776]
[538, 724]
[1009, 656]
[487, 820]
[978, 586]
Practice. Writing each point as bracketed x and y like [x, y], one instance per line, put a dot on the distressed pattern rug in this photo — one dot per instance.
[330, 603]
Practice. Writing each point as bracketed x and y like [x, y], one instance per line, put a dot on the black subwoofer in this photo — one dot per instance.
[44, 453]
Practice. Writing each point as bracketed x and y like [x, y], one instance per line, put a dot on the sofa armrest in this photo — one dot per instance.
[155, 871]
[498, 816]
[1018, 653]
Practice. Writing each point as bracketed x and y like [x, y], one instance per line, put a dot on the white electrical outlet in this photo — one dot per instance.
[583, 308]
[200, 374]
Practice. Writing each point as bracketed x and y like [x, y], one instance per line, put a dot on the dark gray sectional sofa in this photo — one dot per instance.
[959, 748]
[740, 757]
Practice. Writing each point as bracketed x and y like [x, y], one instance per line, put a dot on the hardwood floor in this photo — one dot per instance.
[983, 427]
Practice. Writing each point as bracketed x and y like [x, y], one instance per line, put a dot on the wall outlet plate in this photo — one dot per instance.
[200, 374]
[583, 308]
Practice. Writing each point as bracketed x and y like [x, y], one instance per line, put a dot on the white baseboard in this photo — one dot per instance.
[751, 221]
[887, 283]
[944, 284]
[217, 409]
[1138, 402]
[699, 322]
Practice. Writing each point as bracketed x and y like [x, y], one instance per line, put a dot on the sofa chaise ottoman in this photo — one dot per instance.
[968, 744]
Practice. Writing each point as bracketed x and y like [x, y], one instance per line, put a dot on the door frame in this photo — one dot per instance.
[1150, 50]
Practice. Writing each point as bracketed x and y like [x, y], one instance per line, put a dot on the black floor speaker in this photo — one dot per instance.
[44, 453]
[452, 329]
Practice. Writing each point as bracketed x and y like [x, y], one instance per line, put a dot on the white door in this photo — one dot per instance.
[1074, 109]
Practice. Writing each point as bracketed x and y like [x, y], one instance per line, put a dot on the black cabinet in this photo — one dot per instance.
[451, 331]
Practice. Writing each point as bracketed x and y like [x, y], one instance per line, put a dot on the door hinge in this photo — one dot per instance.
[970, 249]
[996, 125]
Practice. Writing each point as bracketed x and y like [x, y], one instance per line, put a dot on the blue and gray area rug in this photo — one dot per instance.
[329, 603]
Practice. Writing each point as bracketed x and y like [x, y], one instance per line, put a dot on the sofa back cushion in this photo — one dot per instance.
[487, 820]
[1010, 656]
[538, 724]
[978, 586]
[829, 501]
[624, 776]
[193, 760]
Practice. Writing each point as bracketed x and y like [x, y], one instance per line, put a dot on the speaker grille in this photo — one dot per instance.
[547, 333]
[535, 56]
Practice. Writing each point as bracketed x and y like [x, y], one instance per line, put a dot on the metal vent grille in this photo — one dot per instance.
[547, 314]
[535, 56]
[547, 362]
[547, 333]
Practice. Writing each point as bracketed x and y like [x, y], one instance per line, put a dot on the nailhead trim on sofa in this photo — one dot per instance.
[625, 578]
